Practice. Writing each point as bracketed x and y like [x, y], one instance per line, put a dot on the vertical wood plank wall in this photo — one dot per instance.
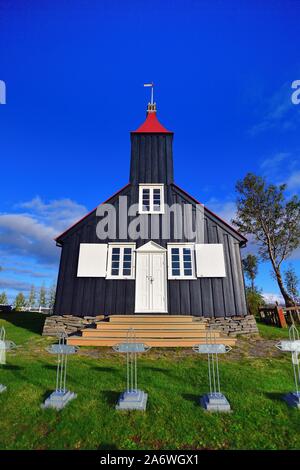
[216, 297]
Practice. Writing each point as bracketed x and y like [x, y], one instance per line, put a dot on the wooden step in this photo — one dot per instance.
[154, 342]
[152, 326]
[150, 319]
[159, 333]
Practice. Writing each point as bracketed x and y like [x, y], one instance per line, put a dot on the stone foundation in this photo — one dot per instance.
[56, 324]
[231, 326]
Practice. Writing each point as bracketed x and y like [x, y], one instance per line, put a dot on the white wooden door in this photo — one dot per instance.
[151, 283]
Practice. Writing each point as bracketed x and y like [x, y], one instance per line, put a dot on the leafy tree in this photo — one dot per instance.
[20, 301]
[51, 296]
[3, 299]
[32, 297]
[254, 300]
[263, 212]
[250, 265]
[43, 296]
[292, 283]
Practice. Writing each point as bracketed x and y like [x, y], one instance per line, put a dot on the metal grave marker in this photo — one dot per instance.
[214, 400]
[61, 396]
[5, 345]
[293, 345]
[132, 398]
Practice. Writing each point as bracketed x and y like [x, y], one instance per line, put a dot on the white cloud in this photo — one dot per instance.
[15, 285]
[293, 181]
[271, 298]
[225, 210]
[59, 213]
[279, 112]
[31, 233]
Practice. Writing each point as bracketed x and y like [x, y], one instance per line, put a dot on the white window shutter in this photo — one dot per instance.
[92, 260]
[210, 260]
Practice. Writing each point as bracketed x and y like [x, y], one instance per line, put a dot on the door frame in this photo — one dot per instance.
[152, 247]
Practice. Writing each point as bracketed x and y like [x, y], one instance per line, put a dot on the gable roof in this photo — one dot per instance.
[180, 190]
[243, 239]
[89, 213]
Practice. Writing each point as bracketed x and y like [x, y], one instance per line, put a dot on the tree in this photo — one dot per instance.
[51, 296]
[254, 300]
[250, 265]
[32, 297]
[42, 296]
[292, 283]
[20, 302]
[3, 299]
[263, 212]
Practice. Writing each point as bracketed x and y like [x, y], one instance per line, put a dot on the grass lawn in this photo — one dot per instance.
[174, 380]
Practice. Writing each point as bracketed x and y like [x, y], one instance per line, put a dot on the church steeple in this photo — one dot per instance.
[151, 150]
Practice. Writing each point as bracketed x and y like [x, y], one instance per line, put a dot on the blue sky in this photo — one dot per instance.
[74, 72]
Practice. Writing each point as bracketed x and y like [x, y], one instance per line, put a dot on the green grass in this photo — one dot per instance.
[174, 380]
[272, 332]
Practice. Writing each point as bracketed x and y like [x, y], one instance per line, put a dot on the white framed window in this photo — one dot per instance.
[181, 261]
[151, 199]
[121, 261]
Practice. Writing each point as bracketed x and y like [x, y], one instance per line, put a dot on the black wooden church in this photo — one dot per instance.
[152, 274]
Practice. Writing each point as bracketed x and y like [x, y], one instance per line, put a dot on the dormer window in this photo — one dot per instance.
[151, 199]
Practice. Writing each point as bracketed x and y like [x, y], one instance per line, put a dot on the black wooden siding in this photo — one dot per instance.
[208, 297]
[151, 158]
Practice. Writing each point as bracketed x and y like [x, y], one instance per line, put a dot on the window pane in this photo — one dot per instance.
[114, 272]
[127, 251]
[115, 264]
[186, 251]
[175, 251]
[115, 251]
[175, 272]
[188, 272]
[126, 272]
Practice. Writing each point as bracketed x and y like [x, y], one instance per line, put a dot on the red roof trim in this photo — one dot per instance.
[211, 212]
[89, 213]
[151, 126]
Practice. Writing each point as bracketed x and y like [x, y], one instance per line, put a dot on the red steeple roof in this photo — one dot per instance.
[152, 124]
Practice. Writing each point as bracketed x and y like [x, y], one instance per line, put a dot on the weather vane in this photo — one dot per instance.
[152, 91]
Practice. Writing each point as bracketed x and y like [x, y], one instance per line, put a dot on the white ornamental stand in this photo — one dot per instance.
[132, 398]
[214, 400]
[61, 396]
[5, 346]
[293, 345]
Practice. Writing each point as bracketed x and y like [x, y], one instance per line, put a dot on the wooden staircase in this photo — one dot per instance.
[154, 330]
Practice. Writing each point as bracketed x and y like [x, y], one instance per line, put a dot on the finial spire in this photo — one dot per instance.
[151, 108]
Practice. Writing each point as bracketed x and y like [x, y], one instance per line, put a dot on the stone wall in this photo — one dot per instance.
[230, 326]
[56, 324]
[233, 326]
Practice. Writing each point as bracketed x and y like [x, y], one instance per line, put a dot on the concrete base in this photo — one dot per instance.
[58, 400]
[132, 401]
[293, 399]
[2, 388]
[215, 402]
